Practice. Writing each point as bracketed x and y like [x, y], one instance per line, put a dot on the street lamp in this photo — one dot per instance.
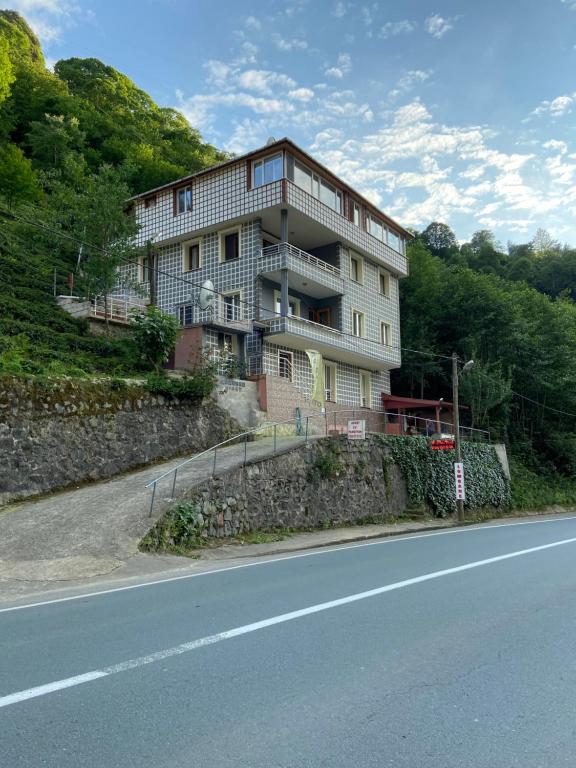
[455, 382]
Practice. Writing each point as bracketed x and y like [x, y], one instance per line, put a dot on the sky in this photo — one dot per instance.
[461, 111]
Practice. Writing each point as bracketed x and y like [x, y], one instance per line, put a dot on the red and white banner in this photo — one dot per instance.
[459, 477]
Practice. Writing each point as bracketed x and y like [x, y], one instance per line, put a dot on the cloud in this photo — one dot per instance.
[343, 67]
[49, 18]
[561, 105]
[395, 28]
[409, 81]
[340, 9]
[252, 22]
[437, 26]
[554, 145]
[301, 94]
[286, 44]
[263, 81]
[570, 3]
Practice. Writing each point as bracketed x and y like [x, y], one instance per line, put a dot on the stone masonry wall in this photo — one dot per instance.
[62, 432]
[325, 482]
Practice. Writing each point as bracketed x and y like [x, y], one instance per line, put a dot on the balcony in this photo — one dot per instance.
[310, 274]
[298, 333]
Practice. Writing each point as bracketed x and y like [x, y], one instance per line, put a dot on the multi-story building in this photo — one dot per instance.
[298, 260]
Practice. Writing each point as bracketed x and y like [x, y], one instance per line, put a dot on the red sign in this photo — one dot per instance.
[442, 445]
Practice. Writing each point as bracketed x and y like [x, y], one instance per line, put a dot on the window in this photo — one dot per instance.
[285, 364]
[365, 389]
[356, 269]
[185, 314]
[191, 258]
[293, 305]
[228, 342]
[330, 382]
[267, 170]
[393, 240]
[184, 199]
[356, 214]
[384, 282]
[303, 177]
[375, 228]
[358, 323]
[330, 196]
[232, 307]
[149, 202]
[229, 245]
[145, 269]
[386, 334]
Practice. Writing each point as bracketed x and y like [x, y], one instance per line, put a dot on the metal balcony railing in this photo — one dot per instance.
[282, 249]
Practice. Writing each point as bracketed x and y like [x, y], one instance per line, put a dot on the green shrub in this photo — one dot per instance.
[194, 387]
[429, 475]
[181, 528]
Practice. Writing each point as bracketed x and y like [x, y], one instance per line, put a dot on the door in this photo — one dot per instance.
[365, 389]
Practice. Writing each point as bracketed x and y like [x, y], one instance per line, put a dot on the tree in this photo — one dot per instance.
[155, 334]
[53, 138]
[542, 242]
[6, 71]
[17, 179]
[439, 239]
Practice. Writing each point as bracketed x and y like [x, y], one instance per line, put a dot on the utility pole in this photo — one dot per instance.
[456, 416]
[455, 382]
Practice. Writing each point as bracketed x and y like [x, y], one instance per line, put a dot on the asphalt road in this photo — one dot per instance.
[447, 650]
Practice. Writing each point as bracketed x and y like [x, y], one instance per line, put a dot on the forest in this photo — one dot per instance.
[76, 142]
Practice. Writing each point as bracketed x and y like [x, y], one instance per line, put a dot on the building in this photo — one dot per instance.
[299, 261]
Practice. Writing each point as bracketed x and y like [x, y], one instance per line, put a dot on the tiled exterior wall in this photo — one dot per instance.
[219, 199]
[347, 376]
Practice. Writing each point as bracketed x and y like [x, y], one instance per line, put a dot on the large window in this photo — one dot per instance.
[393, 240]
[186, 314]
[316, 186]
[184, 199]
[375, 228]
[303, 177]
[267, 170]
[356, 214]
[145, 269]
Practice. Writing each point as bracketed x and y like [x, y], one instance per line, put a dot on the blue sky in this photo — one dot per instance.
[459, 111]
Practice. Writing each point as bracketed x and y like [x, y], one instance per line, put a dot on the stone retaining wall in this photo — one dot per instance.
[63, 432]
[328, 482]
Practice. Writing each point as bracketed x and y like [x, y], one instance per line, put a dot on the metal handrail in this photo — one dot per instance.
[360, 411]
[268, 425]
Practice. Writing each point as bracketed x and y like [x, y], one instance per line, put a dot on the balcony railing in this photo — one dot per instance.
[287, 248]
[319, 273]
[328, 340]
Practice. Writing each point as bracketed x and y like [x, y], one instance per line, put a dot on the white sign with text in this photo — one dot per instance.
[459, 477]
[356, 429]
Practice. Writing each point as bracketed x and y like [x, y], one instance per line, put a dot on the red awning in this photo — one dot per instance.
[410, 403]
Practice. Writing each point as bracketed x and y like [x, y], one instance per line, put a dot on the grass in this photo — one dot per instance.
[531, 490]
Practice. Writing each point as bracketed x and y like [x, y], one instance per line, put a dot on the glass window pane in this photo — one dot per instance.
[302, 177]
[393, 240]
[327, 194]
[188, 199]
[278, 170]
[258, 176]
[357, 215]
[181, 200]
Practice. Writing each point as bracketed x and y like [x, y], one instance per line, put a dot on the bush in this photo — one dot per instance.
[181, 528]
[198, 385]
[155, 335]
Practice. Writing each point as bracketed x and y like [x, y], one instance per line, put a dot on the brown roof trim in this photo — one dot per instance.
[284, 143]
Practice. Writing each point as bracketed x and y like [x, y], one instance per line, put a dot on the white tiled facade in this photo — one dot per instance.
[316, 267]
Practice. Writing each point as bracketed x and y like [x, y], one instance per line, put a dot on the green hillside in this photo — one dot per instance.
[74, 144]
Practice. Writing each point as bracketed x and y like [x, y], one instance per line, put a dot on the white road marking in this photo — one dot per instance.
[70, 682]
[267, 561]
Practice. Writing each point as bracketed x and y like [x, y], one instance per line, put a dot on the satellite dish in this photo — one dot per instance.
[271, 140]
[207, 295]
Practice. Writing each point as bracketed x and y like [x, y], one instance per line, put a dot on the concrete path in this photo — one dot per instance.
[95, 529]
[452, 650]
